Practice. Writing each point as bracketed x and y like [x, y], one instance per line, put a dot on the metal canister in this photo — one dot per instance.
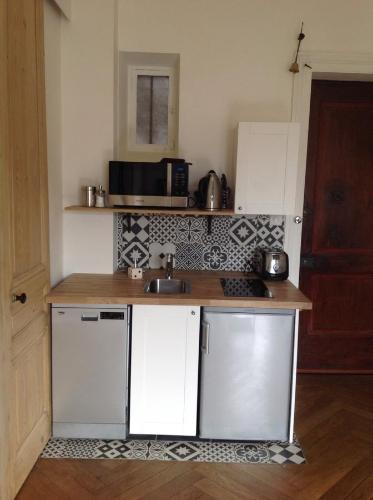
[100, 197]
[89, 196]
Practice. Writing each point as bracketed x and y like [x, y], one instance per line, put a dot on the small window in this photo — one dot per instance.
[151, 109]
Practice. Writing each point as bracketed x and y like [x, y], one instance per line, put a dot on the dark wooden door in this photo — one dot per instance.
[337, 239]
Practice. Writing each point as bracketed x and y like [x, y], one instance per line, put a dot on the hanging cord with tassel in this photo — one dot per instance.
[294, 68]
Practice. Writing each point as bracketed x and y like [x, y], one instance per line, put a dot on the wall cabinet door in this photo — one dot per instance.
[266, 168]
[164, 370]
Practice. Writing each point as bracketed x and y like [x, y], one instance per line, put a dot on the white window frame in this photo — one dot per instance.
[133, 73]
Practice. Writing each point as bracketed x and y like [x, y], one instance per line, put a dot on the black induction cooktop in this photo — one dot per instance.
[244, 287]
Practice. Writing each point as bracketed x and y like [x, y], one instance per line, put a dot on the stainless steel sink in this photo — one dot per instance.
[162, 285]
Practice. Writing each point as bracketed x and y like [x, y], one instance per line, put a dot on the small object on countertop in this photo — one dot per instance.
[89, 196]
[100, 197]
[271, 264]
[135, 273]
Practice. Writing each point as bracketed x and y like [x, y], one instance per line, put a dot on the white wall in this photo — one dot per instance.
[234, 59]
[64, 6]
[52, 42]
[88, 131]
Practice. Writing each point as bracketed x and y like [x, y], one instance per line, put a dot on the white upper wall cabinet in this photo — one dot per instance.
[266, 168]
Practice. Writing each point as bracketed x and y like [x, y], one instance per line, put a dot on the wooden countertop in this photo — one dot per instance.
[206, 290]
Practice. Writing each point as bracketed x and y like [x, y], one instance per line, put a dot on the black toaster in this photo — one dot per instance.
[271, 264]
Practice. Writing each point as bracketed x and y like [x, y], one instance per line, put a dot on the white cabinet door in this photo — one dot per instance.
[266, 168]
[164, 370]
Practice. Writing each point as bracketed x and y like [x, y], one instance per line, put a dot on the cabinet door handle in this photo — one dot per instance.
[205, 337]
[19, 298]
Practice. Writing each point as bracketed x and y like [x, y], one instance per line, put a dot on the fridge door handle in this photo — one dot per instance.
[205, 337]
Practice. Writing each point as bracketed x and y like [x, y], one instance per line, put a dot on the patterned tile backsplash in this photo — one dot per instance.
[230, 246]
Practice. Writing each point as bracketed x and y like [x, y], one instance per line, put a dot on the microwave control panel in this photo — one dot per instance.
[180, 179]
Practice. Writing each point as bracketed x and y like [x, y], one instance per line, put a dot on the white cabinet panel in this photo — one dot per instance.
[164, 370]
[266, 168]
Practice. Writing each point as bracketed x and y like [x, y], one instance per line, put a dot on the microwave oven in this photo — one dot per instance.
[149, 184]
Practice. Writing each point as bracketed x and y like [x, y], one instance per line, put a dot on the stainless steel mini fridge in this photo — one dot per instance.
[246, 373]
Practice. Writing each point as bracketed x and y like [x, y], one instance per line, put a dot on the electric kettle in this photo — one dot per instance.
[209, 192]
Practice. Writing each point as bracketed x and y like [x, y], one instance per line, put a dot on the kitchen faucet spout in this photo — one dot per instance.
[169, 266]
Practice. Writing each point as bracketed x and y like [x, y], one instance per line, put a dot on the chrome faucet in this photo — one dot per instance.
[169, 266]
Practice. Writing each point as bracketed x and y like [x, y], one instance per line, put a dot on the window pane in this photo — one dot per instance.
[152, 109]
[143, 108]
[160, 110]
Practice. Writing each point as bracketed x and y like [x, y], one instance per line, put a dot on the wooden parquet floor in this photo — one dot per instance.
[334, 423]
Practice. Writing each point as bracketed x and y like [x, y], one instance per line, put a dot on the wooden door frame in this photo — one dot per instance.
[351, 66]
[354, 66]
[5, 267]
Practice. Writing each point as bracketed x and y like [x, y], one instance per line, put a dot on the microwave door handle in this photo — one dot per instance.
[169, 179]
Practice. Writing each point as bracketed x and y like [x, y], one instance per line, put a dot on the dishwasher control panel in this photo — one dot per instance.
[111, 315]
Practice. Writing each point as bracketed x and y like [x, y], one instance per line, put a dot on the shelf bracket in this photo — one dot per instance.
[209, 224]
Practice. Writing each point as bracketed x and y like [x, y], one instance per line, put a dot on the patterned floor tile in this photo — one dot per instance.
[157, 450]
[219, 452]
[71, 448]
[134, 449]
[296, 459]
[182, 450]
[196, 451]
[76, 447]
[252, 453]
[137, 449]
[54, 448]
[281, 453]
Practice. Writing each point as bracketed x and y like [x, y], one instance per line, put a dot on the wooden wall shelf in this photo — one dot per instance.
[152, 211]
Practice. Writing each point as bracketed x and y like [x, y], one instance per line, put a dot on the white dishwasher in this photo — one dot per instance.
[89, 371]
